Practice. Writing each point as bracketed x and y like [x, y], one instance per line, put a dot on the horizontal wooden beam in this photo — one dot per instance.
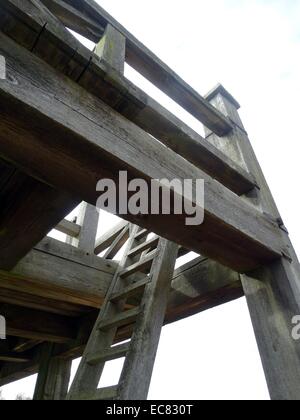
[140, 58]
[57, 277]
[233, 232]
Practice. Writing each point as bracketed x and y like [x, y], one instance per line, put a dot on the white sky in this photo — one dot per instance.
[252, 48]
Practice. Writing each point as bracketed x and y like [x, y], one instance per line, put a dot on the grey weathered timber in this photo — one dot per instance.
[59, 273]
[88, 376]
[144, 61]
[109, 142]
[68, 228]
[197, 286]
[98, 77]
[112, 48]
[117, 245]
[272, 292]
[53, 377]
[137, 371]
[106, 240]
[51, 283]
[146, 318]
[88, 219]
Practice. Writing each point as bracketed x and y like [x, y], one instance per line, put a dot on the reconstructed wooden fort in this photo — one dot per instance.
[69, 118]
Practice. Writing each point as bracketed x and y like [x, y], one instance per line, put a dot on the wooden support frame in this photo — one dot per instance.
[221, 233]
[140, 58]
[251, 241]
[273, 291]
[53, 377]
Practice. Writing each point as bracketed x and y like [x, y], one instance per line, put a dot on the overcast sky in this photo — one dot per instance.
[252, 48]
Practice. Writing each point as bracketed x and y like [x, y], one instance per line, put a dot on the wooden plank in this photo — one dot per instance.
[106, 240]
[146, 246]
[144, 61]
[138, 366]
[272, 292]
[68, 228]
[107, 393]
[233, 232]
[23, 345]
[98, 77]
[197, 286]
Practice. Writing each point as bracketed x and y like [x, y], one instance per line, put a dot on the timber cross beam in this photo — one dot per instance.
[70, 118]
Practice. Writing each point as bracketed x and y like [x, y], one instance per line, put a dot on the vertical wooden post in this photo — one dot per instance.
[53, 377]
[88, 220]
[272, 292]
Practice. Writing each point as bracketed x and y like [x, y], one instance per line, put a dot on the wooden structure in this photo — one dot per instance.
[69, 117]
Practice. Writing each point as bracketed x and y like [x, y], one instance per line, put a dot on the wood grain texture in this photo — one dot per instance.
[29, 209]
[99, 77]
[233, 232]
[272, 292]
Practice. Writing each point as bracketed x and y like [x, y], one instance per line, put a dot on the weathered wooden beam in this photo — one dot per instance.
[100, 78]
[58, 278]
[37, 325]
[8, 354]
[112, 49]
[88, 219]
[68, 228]
[273, 291]
[197, 286]
[22, 345]
[141, 59]
[113, 144]
[117, 245]
[53, 376]
[33, 301]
